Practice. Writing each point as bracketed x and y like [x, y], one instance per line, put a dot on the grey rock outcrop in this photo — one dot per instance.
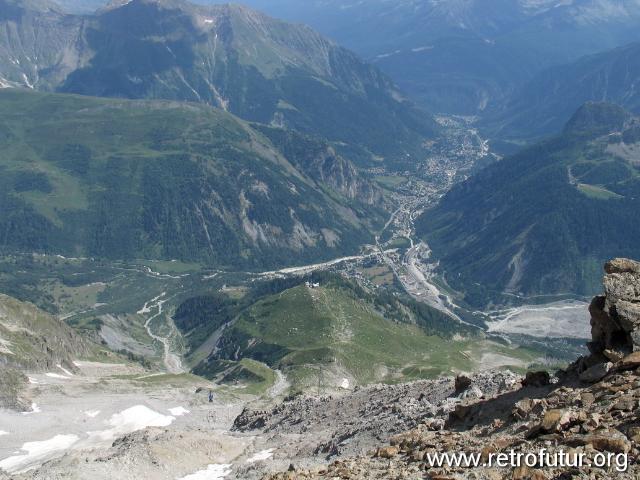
[615, 316]
[596, 372]
[32, 341]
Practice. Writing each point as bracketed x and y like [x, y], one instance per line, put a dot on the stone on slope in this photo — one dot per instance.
[615, 316]
[596, 372]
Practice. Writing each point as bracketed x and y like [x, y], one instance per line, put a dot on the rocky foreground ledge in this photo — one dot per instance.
[589, 410]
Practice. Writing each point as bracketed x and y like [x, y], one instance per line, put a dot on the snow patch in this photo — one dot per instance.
[178, 411]
[33, 381]
[56, 375]
[26, 81]
[37, 452]
[260, 456]
[92, 413]
[387, 55]
[213, 472]
[67, 372]
[34, 409]
[131, 420]
[2, 432]
[345, 383]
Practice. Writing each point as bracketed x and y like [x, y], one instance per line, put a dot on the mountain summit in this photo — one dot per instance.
[550, 98]
[596, 119]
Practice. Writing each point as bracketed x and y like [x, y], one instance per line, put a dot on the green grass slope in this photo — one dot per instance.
[335, 332]
[121, 179]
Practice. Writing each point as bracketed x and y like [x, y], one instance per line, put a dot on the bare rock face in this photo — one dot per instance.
[536, 379]
[596, 372]
[34, 342]
[462, 383]
[615, 316]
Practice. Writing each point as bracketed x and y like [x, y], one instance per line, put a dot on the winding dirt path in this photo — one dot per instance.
[171, 360]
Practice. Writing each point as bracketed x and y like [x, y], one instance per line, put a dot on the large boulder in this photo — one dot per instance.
[615, 316]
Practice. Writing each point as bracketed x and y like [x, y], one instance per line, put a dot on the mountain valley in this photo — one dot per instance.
[467, 57]
[574, 190]
[232, 248]
[542, 106]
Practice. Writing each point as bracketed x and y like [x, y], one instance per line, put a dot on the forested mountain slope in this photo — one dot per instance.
[138, 179]
[542, 221]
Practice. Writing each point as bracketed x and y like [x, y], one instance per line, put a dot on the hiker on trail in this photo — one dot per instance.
[210, 396]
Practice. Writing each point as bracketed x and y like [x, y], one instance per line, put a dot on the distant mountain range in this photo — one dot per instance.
[544, 220]
[466, 56]
[123, 179]
[543, 105]
[258, 68]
